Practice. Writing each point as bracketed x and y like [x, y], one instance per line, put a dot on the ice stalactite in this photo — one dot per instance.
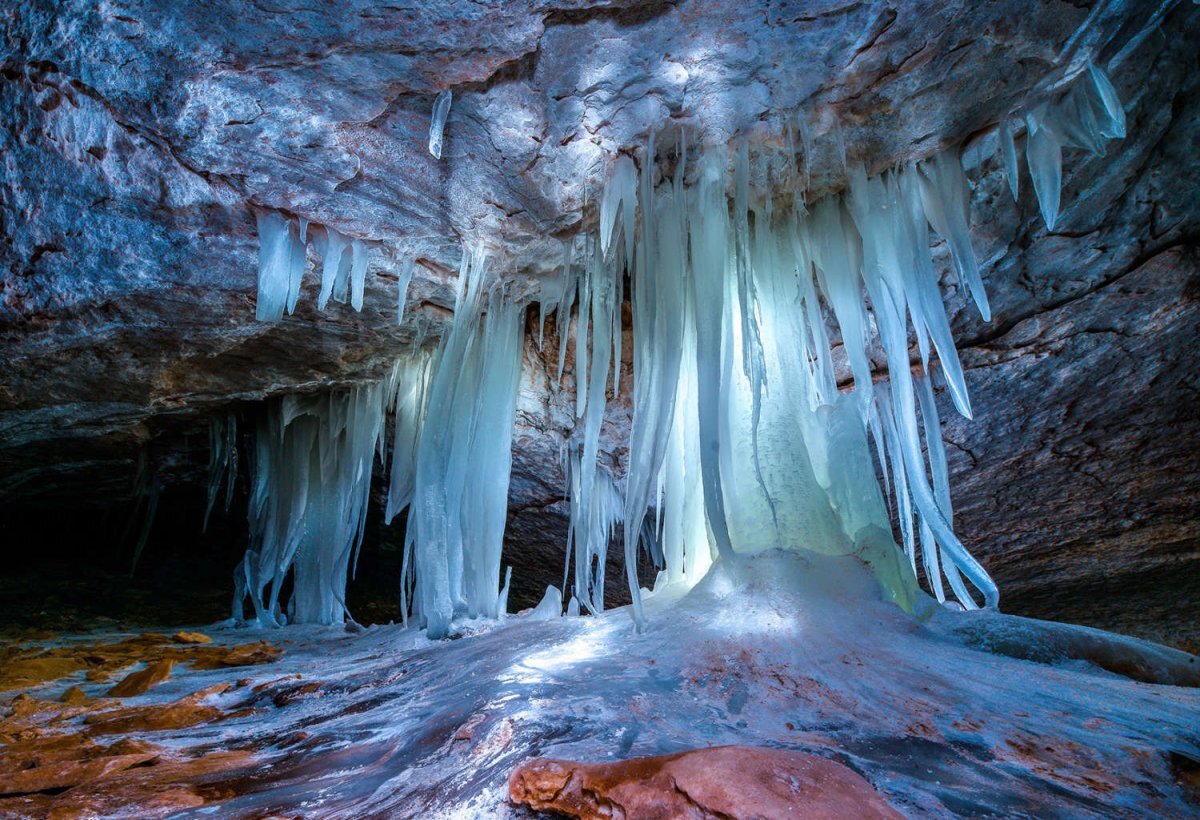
[282, 257]
[223, 460]
[311, 481]
[742, 440]
[1086, 115]
[596, 502]
[280, 266]
[411, 377]
[460, 492]
[437, 123]
[739, 430]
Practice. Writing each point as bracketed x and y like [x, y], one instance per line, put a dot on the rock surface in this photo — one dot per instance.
[140, 140]
[726, 781]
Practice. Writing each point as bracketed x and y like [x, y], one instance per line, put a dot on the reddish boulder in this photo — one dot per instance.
[725, 781]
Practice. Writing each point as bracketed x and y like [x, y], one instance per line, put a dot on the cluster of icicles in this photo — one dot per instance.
[741, 440]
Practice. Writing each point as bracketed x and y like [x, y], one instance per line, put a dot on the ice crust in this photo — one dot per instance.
[780, 649]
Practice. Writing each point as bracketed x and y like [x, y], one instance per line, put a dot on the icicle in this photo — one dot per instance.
[402, 284]
[709, 235]
[437, 124]
[412, 384]
[335, 269]
[311, 482]
[659, 291]
[464, 457]
[1008, 152]
[945, 195]
[358, 272]
[222, 461]
[147, 521]
[1115, 127]
[280, 266]
[620, 197]
[1043, 151]
[1085, 116]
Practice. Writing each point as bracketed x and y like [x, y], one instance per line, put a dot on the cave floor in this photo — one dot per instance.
[781, 650]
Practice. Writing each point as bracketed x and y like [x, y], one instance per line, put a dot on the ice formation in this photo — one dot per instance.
[437, 125]
[223, 460]
[311, 482]
[741, 439]
[463, 458]
[1086, 115]
[282, 257]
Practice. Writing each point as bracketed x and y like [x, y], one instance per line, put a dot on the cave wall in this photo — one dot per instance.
[139, 140]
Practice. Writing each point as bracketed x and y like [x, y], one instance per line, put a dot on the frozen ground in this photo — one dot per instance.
[779, 650]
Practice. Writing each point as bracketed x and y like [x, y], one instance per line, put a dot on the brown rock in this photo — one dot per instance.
[191, 637]
[180, 714]
[249, 654]
[726, 781]
[74, 696]
[32, 671]
[136, 683]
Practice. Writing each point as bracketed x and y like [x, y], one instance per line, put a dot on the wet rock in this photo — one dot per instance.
[74, 696]
[137, 683]
[725, 781]
[191, 638]
[22, 672]
[180, 714]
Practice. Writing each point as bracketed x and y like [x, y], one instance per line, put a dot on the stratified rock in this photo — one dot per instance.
[188, 711]
[725, 781]
[137, 683]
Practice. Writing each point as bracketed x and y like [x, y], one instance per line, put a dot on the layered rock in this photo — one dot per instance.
[140, 141]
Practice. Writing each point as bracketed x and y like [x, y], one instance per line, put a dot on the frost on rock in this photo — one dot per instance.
[437, 124]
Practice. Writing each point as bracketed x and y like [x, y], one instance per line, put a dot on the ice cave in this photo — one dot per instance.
[600, 409]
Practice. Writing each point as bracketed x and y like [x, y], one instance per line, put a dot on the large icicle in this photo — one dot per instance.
[456, 522]
[311, 481]
[708, 231]
[659, 279]
[762, 436]
[411, 377]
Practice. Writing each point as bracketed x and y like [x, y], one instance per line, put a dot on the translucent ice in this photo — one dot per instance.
[437, 123]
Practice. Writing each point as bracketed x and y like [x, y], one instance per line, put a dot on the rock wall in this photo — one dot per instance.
[140, 138]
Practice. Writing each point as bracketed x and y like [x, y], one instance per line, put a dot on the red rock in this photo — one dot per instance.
[136, 683]
[726, 781]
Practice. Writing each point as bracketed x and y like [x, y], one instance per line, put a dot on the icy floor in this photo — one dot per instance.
[777, 650]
